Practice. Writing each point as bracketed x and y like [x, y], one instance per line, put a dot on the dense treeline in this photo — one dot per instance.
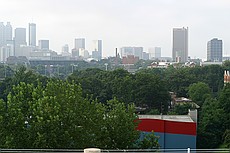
[148, 88]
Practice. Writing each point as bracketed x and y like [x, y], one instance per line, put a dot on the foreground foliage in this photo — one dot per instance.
[57, 116]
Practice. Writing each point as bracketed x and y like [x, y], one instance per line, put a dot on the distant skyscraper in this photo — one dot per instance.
[43, 44]
[79, 43]
[214, 50]
[154, 52]
[8, 33]
[5, 33]
[65, 48]
[97, 49]
[2, 30]
[135, 51]
[180, 45]
[32, 34]
[20, 36]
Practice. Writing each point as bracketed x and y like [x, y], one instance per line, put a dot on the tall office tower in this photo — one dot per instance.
[79, 43]
[136, 51]
[32, 34]
[180, 45]
[65, 48]
[20, 36]
[8, 33]
[214, 50]
[5, 33]
[97, 49]
[2, 31]
[154, 52]
[43, 44]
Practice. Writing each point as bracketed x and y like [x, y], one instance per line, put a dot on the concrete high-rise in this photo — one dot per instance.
[135, 51]
[155, 52]
[97, 49]
[214, 50]
[20, 36]
[5, 33]
[79, 43]
[32, 34]
[8, 33]
[2, 30]
[180, 45]
[43, 44]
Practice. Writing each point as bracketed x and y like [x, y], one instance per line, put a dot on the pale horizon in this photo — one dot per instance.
[118, 23]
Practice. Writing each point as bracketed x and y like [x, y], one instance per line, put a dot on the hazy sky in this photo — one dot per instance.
[146, 23]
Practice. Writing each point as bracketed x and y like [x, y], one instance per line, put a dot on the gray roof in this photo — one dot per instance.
[178, 118]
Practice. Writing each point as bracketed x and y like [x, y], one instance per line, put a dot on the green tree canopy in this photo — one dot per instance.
[198, 92]
[58, 116]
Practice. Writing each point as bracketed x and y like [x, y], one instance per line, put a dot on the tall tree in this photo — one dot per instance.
[198, 92]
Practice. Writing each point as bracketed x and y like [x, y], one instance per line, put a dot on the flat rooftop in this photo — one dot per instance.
[177, 118]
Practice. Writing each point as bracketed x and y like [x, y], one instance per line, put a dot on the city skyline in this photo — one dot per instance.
[140, 23]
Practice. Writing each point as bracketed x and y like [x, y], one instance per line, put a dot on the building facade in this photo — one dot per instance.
[214, 50]
[20, 36]
[180, 45]
[32, 34]
[135, 51]
[5, 33]
[155, 53]
[97, 49]
[43, 44]
[79, 43]
[174, 131]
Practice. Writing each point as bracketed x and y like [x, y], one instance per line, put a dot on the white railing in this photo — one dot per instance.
[188, 150]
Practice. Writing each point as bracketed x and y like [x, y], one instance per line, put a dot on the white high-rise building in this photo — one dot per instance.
[8, 33]
[5, 33]
[65, 48]
[154, 52]
[2, 30]
[97, 49]
[180, 45]
[20, 36]
[4, 53]
[32, 34]
[79, 43]
[83, 53]
[43, 44]
[136, 51]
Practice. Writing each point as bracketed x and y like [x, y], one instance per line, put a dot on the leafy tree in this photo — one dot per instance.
[150, 90]
[226, 138]
[58, 116]
[178, 80]
[225, 102]
[119, 126]
[198, 92]
[182, 109]
[211, 125]
[148, 141]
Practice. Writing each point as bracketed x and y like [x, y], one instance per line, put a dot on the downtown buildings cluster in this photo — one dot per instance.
[17, 46]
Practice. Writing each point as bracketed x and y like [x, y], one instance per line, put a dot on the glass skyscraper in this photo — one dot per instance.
[214, 50]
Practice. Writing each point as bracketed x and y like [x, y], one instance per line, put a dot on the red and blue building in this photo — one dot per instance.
[174, 131]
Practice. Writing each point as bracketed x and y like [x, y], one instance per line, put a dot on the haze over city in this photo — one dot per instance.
[141, 23]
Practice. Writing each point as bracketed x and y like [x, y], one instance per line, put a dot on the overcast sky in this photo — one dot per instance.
[144, 23]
